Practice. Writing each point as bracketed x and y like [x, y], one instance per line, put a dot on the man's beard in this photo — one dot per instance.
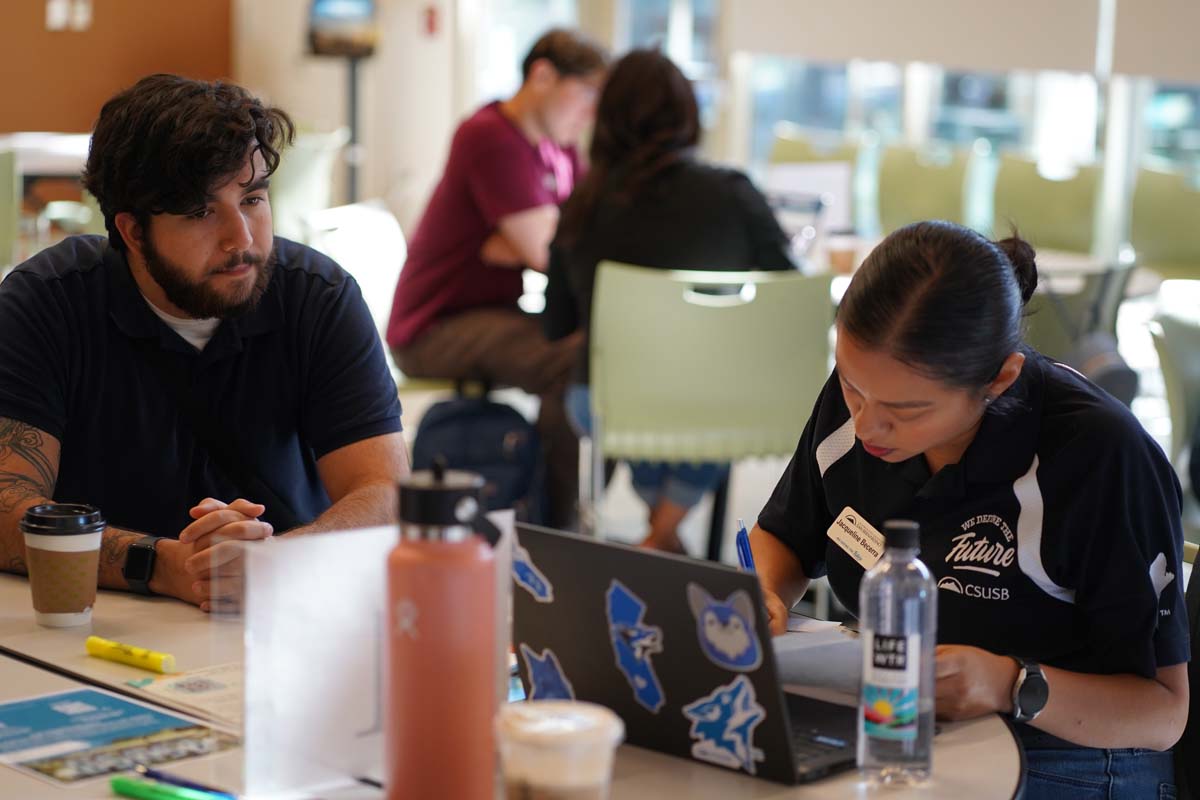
[196, 298]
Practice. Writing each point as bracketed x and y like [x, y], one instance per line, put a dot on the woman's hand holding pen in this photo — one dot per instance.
[777, 613]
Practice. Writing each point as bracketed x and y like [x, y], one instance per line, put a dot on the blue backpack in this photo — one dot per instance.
[492, 439]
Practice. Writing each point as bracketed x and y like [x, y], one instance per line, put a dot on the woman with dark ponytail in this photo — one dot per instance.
[1049, 518]
[647, 200]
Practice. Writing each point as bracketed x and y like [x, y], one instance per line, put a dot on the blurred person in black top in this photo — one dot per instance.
[1049, 517]
[648, 201]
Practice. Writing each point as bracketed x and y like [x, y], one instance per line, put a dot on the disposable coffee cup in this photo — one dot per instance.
[557, 749]
[62, 552]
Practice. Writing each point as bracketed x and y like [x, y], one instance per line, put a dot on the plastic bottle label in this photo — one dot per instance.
[891, 685]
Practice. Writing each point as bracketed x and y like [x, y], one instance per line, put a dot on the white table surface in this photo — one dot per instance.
[979, 759]
[163, 624]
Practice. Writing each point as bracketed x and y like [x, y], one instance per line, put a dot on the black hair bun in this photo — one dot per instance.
[1023, 258]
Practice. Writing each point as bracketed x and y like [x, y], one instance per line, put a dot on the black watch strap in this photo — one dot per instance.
[140, 559]
[1030, 692]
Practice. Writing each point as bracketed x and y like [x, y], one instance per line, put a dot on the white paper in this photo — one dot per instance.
[827, 659]
[215, 693]
[800, 624]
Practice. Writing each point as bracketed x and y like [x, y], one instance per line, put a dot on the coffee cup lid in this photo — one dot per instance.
[560, 723]
[62, 519]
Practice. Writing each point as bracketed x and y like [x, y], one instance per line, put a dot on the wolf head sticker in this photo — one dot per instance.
[726, 628]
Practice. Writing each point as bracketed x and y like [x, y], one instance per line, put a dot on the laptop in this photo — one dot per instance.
[680, 649]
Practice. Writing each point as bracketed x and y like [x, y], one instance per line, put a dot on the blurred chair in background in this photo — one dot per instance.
[1049, 213]
[737, 362]
[917, 185]
[1165, 226]
[365, 239]
[792, 145]
[1054, 214]
[10, 209]
[1176, 333]
[303, 183]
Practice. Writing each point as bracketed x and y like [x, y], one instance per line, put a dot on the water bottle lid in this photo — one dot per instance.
[903, 533]
[440, 496]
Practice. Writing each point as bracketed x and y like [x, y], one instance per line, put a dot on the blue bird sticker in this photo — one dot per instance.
[529, 577]
[633, 644]
[546, 677]
[723, 726]
[726, 628]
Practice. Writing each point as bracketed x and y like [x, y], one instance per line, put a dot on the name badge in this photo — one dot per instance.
[851, 532]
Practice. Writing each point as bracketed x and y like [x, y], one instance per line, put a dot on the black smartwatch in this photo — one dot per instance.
[1030, 691]
[139, 564]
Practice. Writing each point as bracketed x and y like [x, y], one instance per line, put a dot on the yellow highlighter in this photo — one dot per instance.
[127, 654]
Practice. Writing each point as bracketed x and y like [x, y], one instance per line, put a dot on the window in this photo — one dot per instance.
[1172, 124]
[977, 106]
[839, 98]
[686, 31]
[508, 30]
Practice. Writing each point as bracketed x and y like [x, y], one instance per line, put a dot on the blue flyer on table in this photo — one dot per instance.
[80, 734]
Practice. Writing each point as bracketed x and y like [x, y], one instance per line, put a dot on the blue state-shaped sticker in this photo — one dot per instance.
[529, 577]
[546, 678]
[634, 642]
[723, 726]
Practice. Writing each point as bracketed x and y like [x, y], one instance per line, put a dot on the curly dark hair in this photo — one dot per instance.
[165, 143]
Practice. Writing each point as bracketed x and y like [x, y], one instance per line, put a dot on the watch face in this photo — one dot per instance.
[1033, 694]
[138, 563]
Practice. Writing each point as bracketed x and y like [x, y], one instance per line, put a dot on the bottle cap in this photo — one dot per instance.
[440, 496]
[903, 533]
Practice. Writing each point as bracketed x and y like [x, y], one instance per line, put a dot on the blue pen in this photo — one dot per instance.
[744, 554]
[183, 783]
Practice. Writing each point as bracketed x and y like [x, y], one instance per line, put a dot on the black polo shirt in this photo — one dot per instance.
[1057, 537]
[85, 359]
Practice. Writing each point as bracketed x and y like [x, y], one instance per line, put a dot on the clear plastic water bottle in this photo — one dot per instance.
[897, 603]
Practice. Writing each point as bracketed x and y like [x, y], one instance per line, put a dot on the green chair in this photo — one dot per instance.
[1056, 215]
[1049, 214]
[303, 183]
[693, 366]
[1175, 330]
[793, 145]
[916, 185]
[1165, 224]
[10, 209]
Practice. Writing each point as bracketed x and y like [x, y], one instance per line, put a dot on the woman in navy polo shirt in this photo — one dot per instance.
[1049, 518]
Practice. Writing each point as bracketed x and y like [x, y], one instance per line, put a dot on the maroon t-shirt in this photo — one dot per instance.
[492, 171]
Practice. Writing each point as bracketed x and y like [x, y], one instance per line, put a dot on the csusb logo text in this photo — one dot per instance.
[973, 552]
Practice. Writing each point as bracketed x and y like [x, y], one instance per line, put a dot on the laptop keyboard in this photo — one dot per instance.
[821, 732]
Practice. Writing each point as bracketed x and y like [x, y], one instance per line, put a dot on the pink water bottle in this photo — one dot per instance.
[441, 687]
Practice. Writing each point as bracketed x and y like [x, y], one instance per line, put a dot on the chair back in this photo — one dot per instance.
[10, 209]
[1163, 227]
[917, 185]
[365, 239]
[1053, 214]
[303, 182]
[706, 366]
[1175, 330]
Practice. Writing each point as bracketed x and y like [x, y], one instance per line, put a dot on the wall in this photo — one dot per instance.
[407, 93]
[57, 80]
